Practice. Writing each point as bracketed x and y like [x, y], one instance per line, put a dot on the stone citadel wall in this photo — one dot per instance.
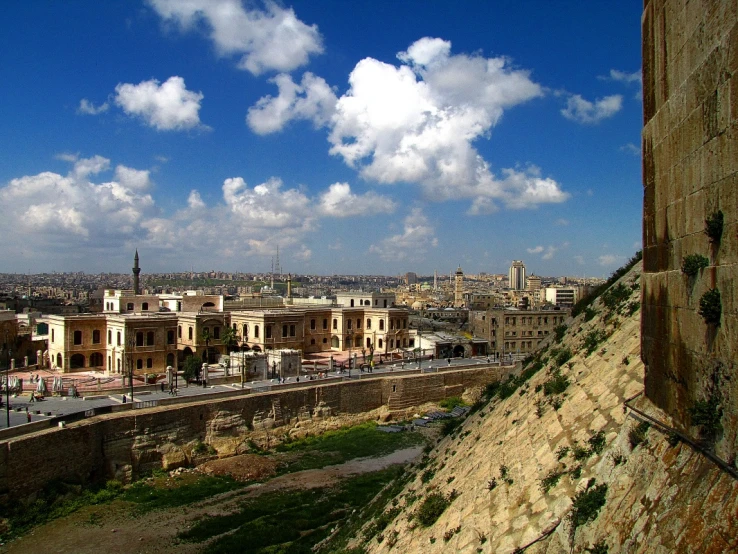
[122, 445]
[690, 174]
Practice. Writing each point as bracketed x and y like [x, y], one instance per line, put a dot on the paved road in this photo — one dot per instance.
[52, 407]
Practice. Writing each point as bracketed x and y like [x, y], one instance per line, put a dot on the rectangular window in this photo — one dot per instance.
[284, 331]
[170, 336]
[325, 324]
[78, 337]
[118, 338]
[52, 335]
[216, 332]
[312, 325]
[96, 336]
[292, 330]
[268, 331]
[150, 338]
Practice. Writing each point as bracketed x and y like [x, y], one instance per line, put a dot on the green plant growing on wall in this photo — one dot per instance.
[714, 226]
[707, 413]
[710, 307]
[587, 504]
[692, 264]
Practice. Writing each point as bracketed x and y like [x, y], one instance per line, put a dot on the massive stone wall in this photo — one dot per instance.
[122, 445]
[690, 173]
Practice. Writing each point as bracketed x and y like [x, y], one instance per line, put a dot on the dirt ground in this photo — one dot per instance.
[112, 528]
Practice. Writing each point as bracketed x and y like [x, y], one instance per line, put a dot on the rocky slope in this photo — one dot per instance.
[514, 469]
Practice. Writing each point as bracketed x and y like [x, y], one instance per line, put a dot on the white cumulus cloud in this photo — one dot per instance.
[416, 122]
[266, 39]
[88, 108]
[312, 100]
[609, 259]
[166, 107]
[535, 250]
[590, 113]
[412, 244]
[339, 201]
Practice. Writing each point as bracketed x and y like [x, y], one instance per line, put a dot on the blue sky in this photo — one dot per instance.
[359, 137]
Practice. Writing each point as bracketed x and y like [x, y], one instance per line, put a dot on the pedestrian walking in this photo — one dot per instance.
[124, 399]
[28, 415]
[33, 397]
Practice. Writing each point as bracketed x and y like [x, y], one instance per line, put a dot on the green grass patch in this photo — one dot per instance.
[450, 403]
[58, 499]
[149, 497]
[335, 447]
[289, 522]
[431, 508]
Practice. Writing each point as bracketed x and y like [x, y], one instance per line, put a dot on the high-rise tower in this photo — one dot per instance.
[136, 271]
[517, 275]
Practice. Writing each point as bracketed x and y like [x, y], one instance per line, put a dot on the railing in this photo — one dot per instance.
[145, 404]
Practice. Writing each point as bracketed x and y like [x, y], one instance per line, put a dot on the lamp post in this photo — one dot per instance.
[131, 346]
[7, 381]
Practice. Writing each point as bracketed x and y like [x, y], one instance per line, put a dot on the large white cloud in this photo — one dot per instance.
[417, 123]
[312, 100]
[52, 209]
[167, 106]
[417, 237]
[267, 39]
[590, 113]
[339, 201]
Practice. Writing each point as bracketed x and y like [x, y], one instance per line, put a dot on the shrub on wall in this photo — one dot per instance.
[692, 264]
[714, 226]
[710, 307]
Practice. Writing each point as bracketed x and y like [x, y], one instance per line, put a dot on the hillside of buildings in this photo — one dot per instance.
[564, 459]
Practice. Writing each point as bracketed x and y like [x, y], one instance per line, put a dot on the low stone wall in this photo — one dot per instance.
[122, 445]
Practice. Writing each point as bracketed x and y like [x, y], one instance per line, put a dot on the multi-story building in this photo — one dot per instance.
[564, 297]
[512, 331]
[516, 276]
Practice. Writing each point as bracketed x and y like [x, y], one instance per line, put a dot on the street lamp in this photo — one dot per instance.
[7, 380]
[131, 345]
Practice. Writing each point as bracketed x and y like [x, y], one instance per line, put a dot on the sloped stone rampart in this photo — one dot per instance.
[660, 498]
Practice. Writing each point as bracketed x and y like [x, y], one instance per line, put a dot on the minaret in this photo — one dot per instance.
[459, 289]
[435, 279]
[136, 271]
[289, 285]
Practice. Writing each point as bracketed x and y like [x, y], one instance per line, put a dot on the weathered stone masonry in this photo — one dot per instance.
[122, 445]
[690, 171]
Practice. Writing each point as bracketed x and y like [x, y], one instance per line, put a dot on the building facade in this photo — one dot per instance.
[519, 332]
[516, 275]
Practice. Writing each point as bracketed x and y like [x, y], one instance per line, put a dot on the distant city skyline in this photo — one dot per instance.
[359, 137]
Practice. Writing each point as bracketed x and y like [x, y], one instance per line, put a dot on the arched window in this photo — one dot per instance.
[352, 302]
[334, 342]
[179, 331]
[381, 325]
[52, 335]
[150, 338]
[348, 324]
[96, 359]
[110, 363]
[110, 336]
[76, 361]
[118, 364]
[357, 342]
[368, 323]
[379, 342]
[358, 323]
[284, 331]
[118, 338]
[312, 325]
[335, 323]
[245, 331]
[149, 363]
[325, 324]
[190, 333]
[170, 336]
[256, 331]
[368, 342]
[58, 360]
